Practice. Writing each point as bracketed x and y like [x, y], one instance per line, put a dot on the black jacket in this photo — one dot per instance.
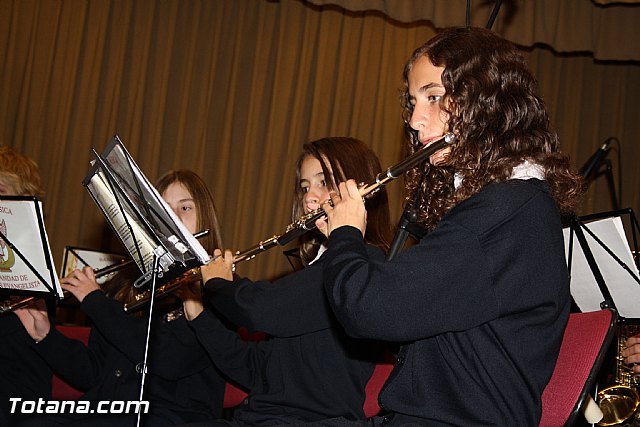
[480, 304]
[22, 372]
[308, 369]
[181, 379]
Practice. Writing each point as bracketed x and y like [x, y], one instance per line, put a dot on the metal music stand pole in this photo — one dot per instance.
[156, 269]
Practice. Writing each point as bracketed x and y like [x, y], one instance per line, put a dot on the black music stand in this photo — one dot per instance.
[26, 264]
[619, 291]
[156, 239]
[141, 219]
[580, 228]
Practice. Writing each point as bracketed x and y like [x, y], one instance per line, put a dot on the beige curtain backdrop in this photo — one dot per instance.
[233, 88]
[606, 28]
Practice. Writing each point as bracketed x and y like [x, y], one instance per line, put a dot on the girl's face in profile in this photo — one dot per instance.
[426, 92]
[182, 204]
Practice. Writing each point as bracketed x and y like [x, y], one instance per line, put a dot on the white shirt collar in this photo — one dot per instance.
[321, 250]
[528, 170]
[525, 170]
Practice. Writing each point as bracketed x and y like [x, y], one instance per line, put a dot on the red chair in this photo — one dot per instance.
[233, 396]
[584, 345]
[374, 385]
[60, 390]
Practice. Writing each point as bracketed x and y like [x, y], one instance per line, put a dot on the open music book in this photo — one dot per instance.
[141, 219]
[26, 264]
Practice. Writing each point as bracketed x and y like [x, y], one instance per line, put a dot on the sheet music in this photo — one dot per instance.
[116, 217]
[77, 258]
[20, 223]
[142, 220]
[169, 227]
[624, 289]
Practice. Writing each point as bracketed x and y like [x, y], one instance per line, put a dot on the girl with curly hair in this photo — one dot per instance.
[480, 303]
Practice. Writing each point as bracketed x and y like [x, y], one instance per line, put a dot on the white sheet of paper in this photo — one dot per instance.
[624, 289]
[19, 222]
[77, 257]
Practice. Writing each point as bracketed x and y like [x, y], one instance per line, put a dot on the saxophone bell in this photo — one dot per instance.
[619, 402]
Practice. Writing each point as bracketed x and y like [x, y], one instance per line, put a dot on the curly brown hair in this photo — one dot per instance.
[499, 118]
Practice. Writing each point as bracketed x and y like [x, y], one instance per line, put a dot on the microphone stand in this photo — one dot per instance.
[593, 168]
[407, 224]
[612, 186]
[494, 14]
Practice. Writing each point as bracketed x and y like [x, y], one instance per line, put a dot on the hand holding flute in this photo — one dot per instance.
[348, 208]
[220, 266]
[35, 319]
[80, 283]
[32, 312]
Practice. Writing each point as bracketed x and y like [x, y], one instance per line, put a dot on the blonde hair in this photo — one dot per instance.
[20, 172]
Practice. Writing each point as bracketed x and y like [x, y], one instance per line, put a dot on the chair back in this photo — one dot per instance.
[60, 389]
[584, 345]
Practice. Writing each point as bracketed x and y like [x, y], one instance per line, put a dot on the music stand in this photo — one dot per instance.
[141, 219]
[26, 264]
[605, 250]
[156, 239]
